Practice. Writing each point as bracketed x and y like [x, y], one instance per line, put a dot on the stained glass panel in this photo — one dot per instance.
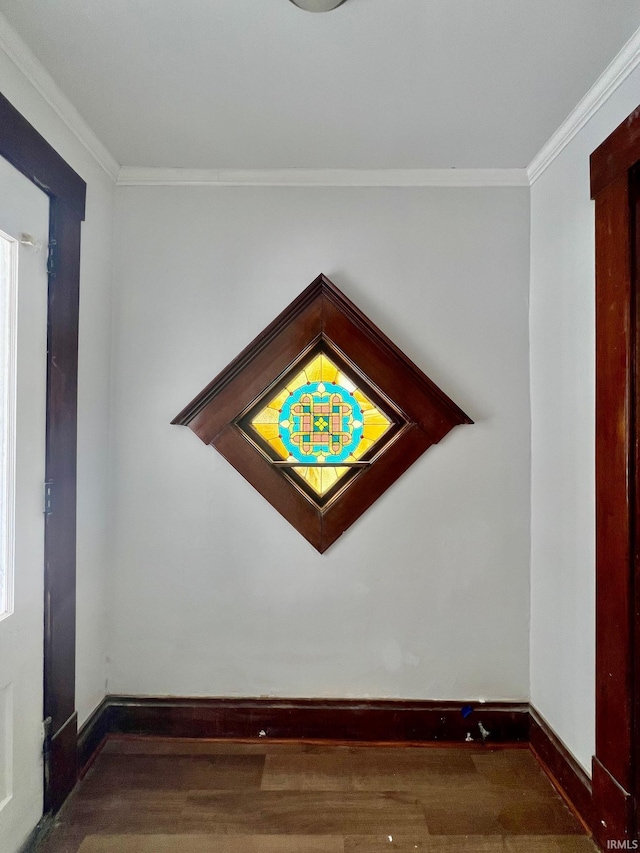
[323, 419]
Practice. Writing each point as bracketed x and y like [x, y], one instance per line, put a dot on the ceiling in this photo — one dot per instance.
[375, 84]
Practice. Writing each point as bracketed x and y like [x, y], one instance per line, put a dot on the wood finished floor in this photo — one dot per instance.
[168, 796]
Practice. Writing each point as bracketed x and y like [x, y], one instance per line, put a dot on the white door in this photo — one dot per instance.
[24, 210]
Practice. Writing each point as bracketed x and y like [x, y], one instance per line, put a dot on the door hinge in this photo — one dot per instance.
[52, 257]
[48, 497]
[46, 735]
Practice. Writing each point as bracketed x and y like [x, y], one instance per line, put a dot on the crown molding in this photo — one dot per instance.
[613, 76]
[22, 56]
[132, 176]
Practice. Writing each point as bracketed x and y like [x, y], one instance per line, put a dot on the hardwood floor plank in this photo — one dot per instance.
[550, 844]
[309, 812]
[212, 844]
[363, 769]
[460, 820]
[63, 839]
[173, 773]
[308, 772]
[129, 745]
[518, 814]
[424, 844]
[517, 769]
[531, 819]
[248, 812]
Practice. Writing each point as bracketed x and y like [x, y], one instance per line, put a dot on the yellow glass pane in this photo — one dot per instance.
[296, 382]
[362, 448]
[365, 402]
[267, 431]
[301, 472]
[314, 478]
[278, 401]
[345, 382]
[321, 479]
[268, 415]
[374, 416]
[374, 431]
[279, 447]
[321, 369]
[328, 477]
[329, 370]
[314, 370]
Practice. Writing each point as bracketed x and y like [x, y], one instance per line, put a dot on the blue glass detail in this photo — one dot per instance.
[321, 424]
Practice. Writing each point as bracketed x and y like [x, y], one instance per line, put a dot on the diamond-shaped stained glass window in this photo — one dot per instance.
[321, 413]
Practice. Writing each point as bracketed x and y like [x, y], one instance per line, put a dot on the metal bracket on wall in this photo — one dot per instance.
[48, 497]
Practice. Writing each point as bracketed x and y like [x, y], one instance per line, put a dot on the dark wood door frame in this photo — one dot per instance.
[31, 154]
[615, 188]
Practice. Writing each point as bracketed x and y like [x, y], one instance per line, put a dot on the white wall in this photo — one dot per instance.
[427, 595]
[562, 410]
[93, 393]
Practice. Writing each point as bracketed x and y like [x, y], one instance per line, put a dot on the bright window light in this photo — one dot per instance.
[8, 317]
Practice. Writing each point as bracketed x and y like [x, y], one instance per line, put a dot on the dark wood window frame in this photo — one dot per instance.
[31, 154]
[615, 186]
[322, 316]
